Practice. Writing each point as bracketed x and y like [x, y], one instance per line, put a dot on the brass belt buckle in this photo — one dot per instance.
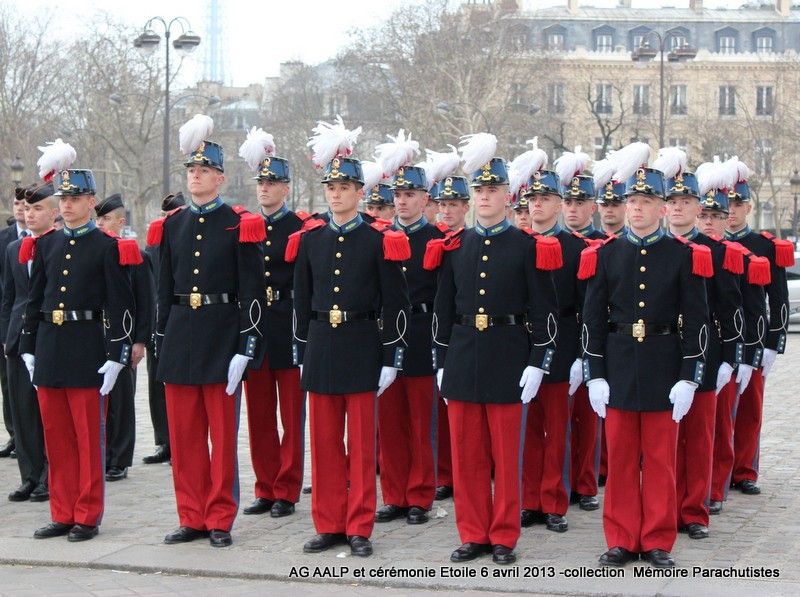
[637, 330]
[195, 300]
[481, 322]
[335, 316]
[58, 317]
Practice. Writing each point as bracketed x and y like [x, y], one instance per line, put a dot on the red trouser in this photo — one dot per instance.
[639, 511]
[747, 429]
[277, 463]
[74, 422]
[603, 468]
[693, 462]
[444, 459]
[206, 485]
[545, 458]
[334, 508]
[486, 436]
[584, 444]
[723, 442]
[405, 437]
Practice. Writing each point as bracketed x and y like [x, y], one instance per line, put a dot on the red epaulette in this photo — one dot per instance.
[28, 247]
[395, 242]
[734, 255]
[548, 250]
[443, 227]
[435, 248]
[303, 215]
[784, 250]
[293, 244]
[251, 226]
[701, 257]
[758, 270]
[588, 265]
[381, 223]
[129, 253]
[589, 241]
[155, 232]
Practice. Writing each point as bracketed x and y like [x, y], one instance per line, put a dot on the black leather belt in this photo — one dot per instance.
[196, 299]
[422, 308]
[335, 316]
[567, 312]
[278, 295]
[58, 317]
[485, 321]
[640, 330]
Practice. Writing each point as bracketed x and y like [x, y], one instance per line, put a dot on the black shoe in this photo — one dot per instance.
[715, 507]
[503, 555]
[618, 556]
[307, 489]
[116, 473]
[184, 535]
[259, 506]
[220, 538]
[82, 532]
[54, 529]
[588, 503]
[747, 487]
[529, 518]
[7, 448]
[556, 523]
[324, 541]
[695, 530]
[13, 453]
[281, 508]
[659, 558]
[161, 454]
[389, 513]
[443, 492]
[470, 551]
[417, 515]
[360, 546]
[41, 493]
[23, 492]
[601, 480]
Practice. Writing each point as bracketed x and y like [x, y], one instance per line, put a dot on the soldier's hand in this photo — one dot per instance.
[598, 395]
[29, 361]
[388, 375]
[681, 395]
[768, 360]
[529, 382]
[743, 376]
[235, 371]
[723, 376]
[110, 371]
[137, 354]
[575, 376]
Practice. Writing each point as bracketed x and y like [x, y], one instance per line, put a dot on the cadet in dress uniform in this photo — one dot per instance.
[41, 208]
[80, 295]
[121, 423]
[210, 302]
[453, 200]
[406, 408]
[522, 214]
[379, 202]
[156, 396]
[545, 459]
[347, 276]
[495, 331]
[643, 285]
[780, 253]
[610, 203]
[273, 379]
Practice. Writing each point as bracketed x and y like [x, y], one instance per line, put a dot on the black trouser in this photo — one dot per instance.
[29, 437]
[8, 419]
[158, 401]
[121, 421]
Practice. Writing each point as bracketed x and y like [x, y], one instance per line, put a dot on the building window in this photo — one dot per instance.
[764, 157]
[555, 42]
[603, 99]
[678, 142]
[555, 98]
[727, 100]
[727, 44]
[600, 149]
[764, 44]
[638, 40]
[641, 99]
[518, 94]
[677, 41]
[764, 100]
[678, 104]
[604, 42]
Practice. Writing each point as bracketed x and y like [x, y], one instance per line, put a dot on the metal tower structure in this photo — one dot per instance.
[214, 55]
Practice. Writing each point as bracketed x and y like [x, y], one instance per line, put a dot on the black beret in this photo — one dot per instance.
[173, 201]
[108, 204]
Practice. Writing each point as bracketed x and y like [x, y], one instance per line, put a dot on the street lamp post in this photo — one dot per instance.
[794, 182]
[444, 108]
[17, 168]
[186, 43]
[646, 52]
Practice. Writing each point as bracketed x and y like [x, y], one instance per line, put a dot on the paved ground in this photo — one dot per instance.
[753, 536]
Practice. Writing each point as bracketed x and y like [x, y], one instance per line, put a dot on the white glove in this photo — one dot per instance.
[439, 378]
[388, 375]
[768, 360]
[529, 382]
[681, 396]
[29, 361]
[598, 395]
[575, 375]
[110, 371]
[723, 376]
[743, 376]
[301, 370]
[235, 371]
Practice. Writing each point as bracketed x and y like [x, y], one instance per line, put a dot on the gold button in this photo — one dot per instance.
[336, 306]
[481, 291]
[487, 242]
[68, 256]
[269, 228]
[72, 242]
[481, 310]
[483, 274]
[199, 237]
[641, 303]
[268, 243]
[267, 274]
[266, 257]
[65, 272]
[334, 325]
[201, 220]
[338, 255]
[641, 321]
[643, 269]
[197, 253]
[63, 289]
[641, 287]
[336, 289]
[60, 305]
[485, 258]
[341, 239]
[644, 251]
[196, 271]
[404, 268]
[194, 288]
[640, 339]
[336, 272]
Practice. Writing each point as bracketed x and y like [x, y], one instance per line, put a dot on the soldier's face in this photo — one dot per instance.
[544, 209]
[380, 210]
[408, 205]
[712, 222]
[644, 213]
[39, 216]
[111, 221]
[76, 209]
[491, 202]
[19, 210]
[612, 215]
[578, 214]
[203, 182]
[343, 197]
[271, 194]
[522, 217]
[682, 211]
[453, 212]
[739, 210]
[430, 210]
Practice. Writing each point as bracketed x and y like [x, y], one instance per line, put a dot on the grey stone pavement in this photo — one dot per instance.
[755, 535]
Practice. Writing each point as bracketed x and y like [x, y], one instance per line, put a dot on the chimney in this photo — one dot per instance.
[572, 6]
[624, 3]
[696, 5]
[784, 7]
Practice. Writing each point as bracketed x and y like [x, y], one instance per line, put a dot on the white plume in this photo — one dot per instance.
[331, 140]
[571, 163]
[373, 174]
[258, 145]
[671, 161]
[440, 165]
[476, 150]
[194, 132]
[742, 171]
[397, 153]
[56, 156]
[524, 165]
[715, 175]
[629, 159]
[603, 171]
